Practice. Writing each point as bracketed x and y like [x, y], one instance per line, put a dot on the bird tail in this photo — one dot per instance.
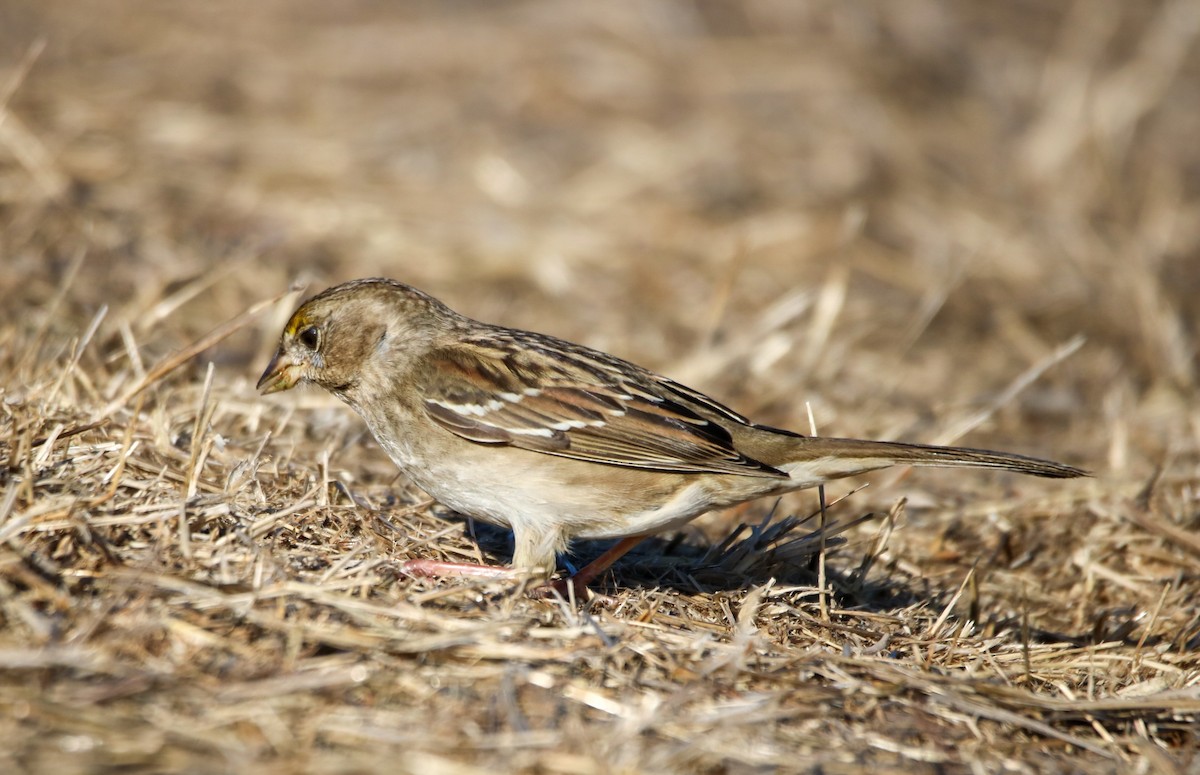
[833, 458]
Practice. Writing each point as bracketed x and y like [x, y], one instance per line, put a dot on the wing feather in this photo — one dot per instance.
[560, 399]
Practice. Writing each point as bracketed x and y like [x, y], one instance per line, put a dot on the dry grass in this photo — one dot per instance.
[903, 213]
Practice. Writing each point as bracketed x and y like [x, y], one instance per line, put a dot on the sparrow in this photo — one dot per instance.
[554, 440]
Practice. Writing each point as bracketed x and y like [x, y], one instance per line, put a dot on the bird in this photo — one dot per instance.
[557, 441]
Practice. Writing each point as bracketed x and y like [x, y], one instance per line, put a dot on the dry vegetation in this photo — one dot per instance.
[905, 214]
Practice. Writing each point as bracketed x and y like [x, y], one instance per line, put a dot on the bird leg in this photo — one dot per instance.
[574, 586]
[577, 585]
[439, 568]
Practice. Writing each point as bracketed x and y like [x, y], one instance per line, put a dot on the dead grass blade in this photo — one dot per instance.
[177, 359]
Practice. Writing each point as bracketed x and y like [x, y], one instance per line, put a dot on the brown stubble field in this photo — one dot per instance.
[969, 222]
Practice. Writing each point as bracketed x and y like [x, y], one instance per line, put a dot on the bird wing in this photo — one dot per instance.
[557, 398]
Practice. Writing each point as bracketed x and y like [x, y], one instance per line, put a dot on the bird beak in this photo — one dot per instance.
[282, 374]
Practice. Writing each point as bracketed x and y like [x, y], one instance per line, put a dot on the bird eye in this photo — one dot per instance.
[310, 338]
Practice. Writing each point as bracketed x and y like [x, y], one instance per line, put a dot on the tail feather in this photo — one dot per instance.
[851, 456]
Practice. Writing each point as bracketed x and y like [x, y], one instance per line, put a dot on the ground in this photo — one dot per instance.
[965, 222]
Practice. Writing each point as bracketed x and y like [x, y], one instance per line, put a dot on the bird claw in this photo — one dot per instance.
[570, 589]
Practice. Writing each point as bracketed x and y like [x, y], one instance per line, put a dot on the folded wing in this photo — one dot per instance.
[580, 404]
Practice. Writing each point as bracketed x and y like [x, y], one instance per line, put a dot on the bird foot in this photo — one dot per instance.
[572, 588]
[423, 569]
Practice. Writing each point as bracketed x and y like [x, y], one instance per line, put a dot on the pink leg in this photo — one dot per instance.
[577, 583]
[436, 568]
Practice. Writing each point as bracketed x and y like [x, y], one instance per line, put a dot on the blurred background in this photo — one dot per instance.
[888, 209]
[942, 221]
